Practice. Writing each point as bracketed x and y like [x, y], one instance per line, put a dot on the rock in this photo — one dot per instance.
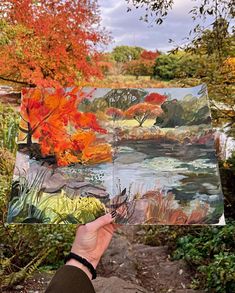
[119, 260]
[116, 285]
[53, 183]
[86, 189]
[21, 164]
[19, 287]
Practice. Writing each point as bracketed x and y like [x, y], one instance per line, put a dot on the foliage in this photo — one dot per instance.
[162, 210]
[126, 53]
[140, 67]
[8, 127]
[115, 113]
[25, 247]
[149, 55]
[47, 116]
[203, 9]
[143, 111]
[155, 98]
[49, 43]
[180, 65]
[211, 253]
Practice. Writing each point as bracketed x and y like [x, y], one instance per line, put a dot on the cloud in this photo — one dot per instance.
[127, 29]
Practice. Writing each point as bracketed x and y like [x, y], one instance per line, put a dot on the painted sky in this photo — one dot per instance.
[127, 29]
[174, 93]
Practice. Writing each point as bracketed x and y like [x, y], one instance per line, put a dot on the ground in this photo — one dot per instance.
[129, 266]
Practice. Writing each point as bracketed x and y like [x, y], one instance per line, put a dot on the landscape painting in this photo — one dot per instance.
[147, 153]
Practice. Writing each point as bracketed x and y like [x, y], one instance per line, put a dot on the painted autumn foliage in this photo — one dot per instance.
[143, 111]
[155, 98]
[51, 118]
[115, 113]
[49, 42]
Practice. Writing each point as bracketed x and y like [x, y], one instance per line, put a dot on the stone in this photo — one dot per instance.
[19, 287]
[53, 183]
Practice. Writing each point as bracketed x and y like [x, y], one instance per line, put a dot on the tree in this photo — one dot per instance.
[149, 55]
[155, 98]
[143, 111]
[166, 66]
[49, 42]
[139, 67]
[115, 113]
[126, 53]
[51, 119]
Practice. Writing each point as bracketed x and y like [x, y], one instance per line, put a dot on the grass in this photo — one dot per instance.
[125, 81]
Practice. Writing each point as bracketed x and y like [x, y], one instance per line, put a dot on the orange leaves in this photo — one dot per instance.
[51, 43]
[142, 108]
[142, 111]
[82, 139]
[51, 117]
[115, 113]
[97, 154]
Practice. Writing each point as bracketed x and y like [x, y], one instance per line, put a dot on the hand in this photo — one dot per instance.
[92, 240]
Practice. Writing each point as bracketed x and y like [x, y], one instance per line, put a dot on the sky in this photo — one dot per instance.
[175, 93]
[127, 29]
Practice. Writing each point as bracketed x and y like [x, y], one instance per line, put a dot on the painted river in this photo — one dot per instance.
[189, 171]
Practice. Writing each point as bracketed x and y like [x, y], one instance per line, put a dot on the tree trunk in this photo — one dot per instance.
[29, 136]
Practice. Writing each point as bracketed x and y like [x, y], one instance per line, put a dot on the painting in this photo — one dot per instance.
[148, 153]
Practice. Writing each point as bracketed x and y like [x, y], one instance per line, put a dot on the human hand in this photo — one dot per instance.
[92, 240]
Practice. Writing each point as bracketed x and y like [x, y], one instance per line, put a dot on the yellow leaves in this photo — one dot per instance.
[67, 158]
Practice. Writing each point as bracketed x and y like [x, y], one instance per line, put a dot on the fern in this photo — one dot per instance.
[17, 277]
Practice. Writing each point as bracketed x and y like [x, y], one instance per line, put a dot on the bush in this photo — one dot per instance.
[181, 65]
[211, 253]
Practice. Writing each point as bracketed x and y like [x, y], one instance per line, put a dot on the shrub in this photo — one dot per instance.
[211, 253]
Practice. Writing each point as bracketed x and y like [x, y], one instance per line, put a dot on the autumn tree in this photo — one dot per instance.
[155, 98]
[50, 118]
[143, 111]
[115, 113]
[140, 67]
[49, 42]
[149, 55]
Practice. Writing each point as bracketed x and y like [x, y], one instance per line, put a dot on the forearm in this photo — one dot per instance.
[71, 279]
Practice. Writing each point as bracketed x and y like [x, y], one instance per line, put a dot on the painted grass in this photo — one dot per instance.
[61, 209]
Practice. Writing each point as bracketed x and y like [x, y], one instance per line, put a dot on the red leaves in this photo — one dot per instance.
[149, 55]
[155, 98]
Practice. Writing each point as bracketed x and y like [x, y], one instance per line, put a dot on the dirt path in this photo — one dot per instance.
[129, 267]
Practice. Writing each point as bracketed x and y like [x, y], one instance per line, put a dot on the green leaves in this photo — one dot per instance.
[212, 254]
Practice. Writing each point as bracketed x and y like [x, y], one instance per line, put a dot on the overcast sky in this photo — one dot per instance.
[127, 29]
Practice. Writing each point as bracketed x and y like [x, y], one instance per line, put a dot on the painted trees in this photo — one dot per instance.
[143, 111]
[49, 42]
[51, 119]
[115, 113]
[155, 98]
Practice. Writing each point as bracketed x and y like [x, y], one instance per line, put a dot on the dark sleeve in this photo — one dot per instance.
[70, 279]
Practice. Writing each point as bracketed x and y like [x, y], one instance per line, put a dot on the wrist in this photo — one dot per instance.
[91, 260]
[75, 263]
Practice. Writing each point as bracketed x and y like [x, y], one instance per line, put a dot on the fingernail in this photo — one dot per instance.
[113, 214]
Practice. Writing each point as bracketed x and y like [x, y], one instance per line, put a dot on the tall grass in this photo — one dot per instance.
[9, 121]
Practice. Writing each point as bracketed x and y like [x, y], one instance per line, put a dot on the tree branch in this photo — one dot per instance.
[17, 81]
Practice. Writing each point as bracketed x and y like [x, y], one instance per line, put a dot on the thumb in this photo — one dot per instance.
[100, 222]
